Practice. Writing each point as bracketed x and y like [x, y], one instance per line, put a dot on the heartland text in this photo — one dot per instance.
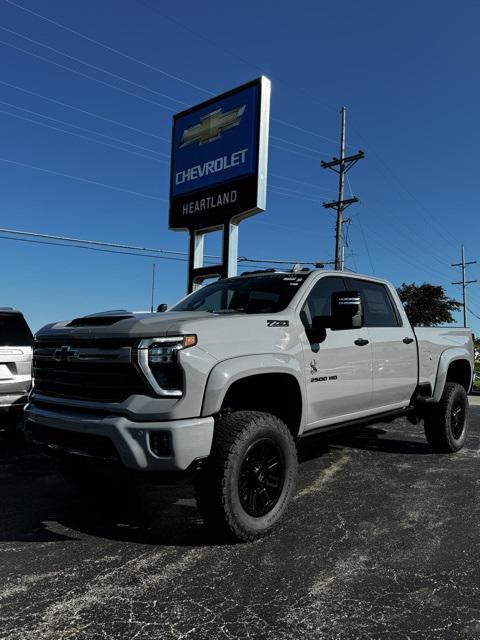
[211, 202]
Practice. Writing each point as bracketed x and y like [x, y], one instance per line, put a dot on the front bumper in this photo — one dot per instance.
[8, 400]
[189, 439]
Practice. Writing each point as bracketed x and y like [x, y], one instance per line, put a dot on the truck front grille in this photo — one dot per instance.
[96, 370]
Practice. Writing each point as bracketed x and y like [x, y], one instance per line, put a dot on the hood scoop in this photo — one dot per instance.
[104, 319]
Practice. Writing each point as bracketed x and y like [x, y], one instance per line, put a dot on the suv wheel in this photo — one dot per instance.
[250, 477]
[446, 424]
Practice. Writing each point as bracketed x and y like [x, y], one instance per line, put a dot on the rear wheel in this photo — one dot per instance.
[245, 489]
[446, 424]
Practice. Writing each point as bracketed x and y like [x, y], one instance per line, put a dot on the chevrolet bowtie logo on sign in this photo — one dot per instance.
[219, 158]
[211, 126]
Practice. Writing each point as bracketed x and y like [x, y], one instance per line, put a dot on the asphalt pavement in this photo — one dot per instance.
[381, 541]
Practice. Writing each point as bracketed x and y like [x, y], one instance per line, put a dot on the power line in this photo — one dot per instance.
[97, 133]
[114, 245]
[177, 78]
[85, 75]
[287, 194]
[473, 313]
[95, 67]
[79, 135]
[294, 144]
[112, 49]
[73, 246]
[432, 220]
[127, 249]
[307, 184]
[94, 182]
[88, 113]
[298, 153]
[248, 63]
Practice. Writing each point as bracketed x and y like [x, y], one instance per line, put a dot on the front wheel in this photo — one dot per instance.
[246, 487]
[446, 424]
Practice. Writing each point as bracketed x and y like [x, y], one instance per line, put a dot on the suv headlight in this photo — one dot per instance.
[157, 358]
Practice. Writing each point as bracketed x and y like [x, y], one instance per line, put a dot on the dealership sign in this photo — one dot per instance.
[219, 159]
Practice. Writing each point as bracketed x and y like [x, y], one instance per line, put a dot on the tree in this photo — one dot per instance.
[427, 305]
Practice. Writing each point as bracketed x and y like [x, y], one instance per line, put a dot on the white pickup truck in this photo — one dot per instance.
[223, 385]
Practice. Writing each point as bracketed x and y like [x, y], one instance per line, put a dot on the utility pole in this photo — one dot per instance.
[341, 166]
[464, 282]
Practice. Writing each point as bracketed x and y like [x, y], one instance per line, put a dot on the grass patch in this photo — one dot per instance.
[476, 383]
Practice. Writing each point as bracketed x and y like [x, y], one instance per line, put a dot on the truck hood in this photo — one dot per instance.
[219, 334]
[124, 324]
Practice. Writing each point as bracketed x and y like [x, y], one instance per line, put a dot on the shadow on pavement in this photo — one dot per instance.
[38, 505]
[365, 438]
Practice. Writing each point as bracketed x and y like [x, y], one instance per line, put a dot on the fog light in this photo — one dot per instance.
[160, 443]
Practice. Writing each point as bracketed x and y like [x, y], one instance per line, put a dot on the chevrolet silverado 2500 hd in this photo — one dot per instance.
[224, 383]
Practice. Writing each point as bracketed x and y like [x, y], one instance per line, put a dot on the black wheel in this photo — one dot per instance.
[446, 424]
[247, 484]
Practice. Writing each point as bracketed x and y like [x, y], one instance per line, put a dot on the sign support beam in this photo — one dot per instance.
[197, 271]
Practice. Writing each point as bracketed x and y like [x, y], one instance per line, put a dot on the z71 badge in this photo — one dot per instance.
[277, 323]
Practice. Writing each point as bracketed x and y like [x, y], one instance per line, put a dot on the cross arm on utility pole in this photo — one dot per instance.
[460, 264]
[342, 203]
[466, 281]
[347, 162]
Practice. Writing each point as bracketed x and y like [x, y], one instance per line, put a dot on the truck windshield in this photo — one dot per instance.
[246, 294]
[14, 331]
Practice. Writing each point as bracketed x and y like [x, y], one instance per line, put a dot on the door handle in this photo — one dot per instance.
[408, 340]
[361, 342]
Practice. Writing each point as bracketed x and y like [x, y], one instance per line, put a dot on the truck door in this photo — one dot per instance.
[395, 357]
[338, 365]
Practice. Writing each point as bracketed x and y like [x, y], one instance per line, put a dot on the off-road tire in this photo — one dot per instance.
[446, 424]
[220, 489]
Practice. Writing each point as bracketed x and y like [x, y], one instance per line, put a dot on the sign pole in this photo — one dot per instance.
[230, 248]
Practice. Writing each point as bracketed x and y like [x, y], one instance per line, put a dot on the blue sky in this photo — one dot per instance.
[407, 73]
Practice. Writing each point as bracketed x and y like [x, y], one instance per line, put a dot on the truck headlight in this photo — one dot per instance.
[165, 349]
[157, 359]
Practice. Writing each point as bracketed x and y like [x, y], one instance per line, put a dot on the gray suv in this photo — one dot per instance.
[16, 342]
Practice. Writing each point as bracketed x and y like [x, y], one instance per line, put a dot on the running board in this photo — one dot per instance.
[358, 422]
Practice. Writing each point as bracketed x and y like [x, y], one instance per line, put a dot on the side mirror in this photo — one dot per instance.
[347, 310]
[161, 308]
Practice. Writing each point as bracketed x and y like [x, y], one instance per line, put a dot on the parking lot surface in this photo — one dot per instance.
[381, 541]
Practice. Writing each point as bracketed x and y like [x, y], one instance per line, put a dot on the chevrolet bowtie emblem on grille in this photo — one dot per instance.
[64, 353]
[211, 126]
